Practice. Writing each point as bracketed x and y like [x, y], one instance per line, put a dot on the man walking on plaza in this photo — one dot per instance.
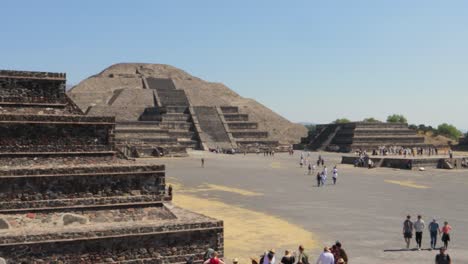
[335, 175]
[433, 230]
[407, 231]
[326, 257]
[202, 162]
[419, 226]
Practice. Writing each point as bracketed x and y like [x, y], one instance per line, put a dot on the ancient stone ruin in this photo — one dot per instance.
[161, 110]
[66, 196]
[355, 136]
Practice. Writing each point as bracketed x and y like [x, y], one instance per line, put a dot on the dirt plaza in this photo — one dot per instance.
[271, 202]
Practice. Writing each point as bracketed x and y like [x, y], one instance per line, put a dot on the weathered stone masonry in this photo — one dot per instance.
[66, 197]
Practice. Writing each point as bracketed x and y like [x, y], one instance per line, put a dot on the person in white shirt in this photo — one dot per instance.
[335, 175]
[326, 257]
[419, 226]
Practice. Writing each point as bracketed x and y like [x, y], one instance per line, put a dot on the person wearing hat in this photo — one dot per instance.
[340, 261]
[254, 260]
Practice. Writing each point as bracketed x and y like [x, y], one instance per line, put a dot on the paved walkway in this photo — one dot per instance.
[365, 210]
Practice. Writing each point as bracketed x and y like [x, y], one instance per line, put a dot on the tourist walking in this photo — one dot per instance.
[419, 226]
[335, 175]
[433, 230]
[302, 258]
[202, 162]
[288, 258]
[408, 231]
[326, 257]
[309, 169]
[443, 257]
[319, 179]
[323, 178]
[341, 253]
[445, 230]
[214, 259]
[268, 257]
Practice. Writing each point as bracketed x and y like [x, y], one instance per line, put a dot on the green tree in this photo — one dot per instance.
[341, 121]
[396, 119]
[371, 120]
[449, 131]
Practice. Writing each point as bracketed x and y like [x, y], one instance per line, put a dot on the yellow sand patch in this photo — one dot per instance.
[214, 187]
[410, 184]
[275, 165]
[247, 232]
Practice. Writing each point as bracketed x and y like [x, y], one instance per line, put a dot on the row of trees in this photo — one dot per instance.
[444, 129]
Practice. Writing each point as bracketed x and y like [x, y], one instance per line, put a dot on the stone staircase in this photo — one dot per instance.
[354, 136]
[245, 133]
[165, 129]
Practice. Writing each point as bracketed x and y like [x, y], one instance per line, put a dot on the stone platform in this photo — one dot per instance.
[399, 162]
[66, 194]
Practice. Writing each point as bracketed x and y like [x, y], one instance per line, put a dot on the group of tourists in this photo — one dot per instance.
[322, 176]
[330, 255]
[403, 151]
[418, 228]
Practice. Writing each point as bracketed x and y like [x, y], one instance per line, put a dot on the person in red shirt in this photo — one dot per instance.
[214, 259]
[445, 231]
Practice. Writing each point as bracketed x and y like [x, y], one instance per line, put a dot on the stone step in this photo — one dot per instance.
[255, 141]
[249, 134]
[242, 125]
[236, 117]
[176, 117]
[229, 109]
[176, 109]
[135, 139]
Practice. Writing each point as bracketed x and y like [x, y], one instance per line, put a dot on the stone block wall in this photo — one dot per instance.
[32, 87]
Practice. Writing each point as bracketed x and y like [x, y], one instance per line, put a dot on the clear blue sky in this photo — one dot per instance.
[307, 60]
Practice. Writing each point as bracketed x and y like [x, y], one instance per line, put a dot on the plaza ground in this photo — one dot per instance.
[270, 202]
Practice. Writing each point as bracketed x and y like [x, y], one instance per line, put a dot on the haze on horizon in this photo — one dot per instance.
[309, 61]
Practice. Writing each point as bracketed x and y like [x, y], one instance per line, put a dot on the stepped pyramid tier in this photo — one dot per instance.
[363, 136]
[160, 109]
[66, 196]
[462, 144]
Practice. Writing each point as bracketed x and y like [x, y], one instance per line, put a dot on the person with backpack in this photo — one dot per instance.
[214, 259]
[302, 258]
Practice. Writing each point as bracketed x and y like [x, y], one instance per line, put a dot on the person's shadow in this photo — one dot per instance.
[406, 249]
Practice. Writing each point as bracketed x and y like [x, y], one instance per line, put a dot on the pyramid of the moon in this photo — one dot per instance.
[67, 196]
[162, 110]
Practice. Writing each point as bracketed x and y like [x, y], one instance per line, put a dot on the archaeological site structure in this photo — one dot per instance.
[162, 110]
[362, 136]
[66, 195]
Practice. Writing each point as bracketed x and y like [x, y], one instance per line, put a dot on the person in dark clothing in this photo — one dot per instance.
[442, 257]
[319, 179]
[341, 252]
[288, 258]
